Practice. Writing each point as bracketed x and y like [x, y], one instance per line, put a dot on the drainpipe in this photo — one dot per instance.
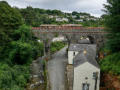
[96, 79]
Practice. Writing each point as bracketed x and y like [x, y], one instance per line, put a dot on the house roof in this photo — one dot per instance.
[89, 56]
[80, 47]
[84, 41]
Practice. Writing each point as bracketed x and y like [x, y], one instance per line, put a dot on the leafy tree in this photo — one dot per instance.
[57, 12]
[10, 18]
[29, 15]
[71, 20]
[18, 47]
[49, 12]
[74, 13]
[111, 63]
[77, 16]
[113, 23]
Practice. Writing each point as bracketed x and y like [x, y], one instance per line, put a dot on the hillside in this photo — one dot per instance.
[36, 17]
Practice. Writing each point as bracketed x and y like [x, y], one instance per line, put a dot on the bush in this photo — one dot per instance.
[20, 53]
[38, 50]
[111, 63]
[13, 78]
[55, 46]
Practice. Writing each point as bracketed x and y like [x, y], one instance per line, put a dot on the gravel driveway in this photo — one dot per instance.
[56, 70]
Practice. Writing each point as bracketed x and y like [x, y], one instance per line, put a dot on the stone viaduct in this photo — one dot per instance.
[71, 32]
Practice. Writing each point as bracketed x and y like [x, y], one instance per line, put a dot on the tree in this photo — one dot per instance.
[29, 15]
[56, 12]
[71, 20]
[74, 13]
[10, 18]
[113, 23]
[77, 16]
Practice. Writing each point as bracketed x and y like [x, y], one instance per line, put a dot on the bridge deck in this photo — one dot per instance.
[77, 29]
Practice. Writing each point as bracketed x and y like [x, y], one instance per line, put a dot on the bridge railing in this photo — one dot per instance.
[69, 29]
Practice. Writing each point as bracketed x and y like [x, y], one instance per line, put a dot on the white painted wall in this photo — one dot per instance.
[82, 71]
[60, 38]
[71, 56]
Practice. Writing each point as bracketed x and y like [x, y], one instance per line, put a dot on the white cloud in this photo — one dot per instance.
[91, 6]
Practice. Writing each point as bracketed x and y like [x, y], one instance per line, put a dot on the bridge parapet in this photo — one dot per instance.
[69, 29]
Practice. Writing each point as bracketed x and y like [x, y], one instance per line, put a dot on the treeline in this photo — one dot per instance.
[35, 17]
[111, 63]
[18, 47]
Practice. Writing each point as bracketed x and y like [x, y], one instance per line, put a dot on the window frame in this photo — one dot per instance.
[83, 85]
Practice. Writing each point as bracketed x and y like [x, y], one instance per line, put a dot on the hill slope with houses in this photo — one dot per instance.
[37, 16]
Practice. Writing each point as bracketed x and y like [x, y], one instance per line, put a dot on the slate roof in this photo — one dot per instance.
[81, 58]
[84, 41]
[81, 47]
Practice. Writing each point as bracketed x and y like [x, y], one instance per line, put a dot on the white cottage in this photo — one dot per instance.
[86, 74]
[74, 49]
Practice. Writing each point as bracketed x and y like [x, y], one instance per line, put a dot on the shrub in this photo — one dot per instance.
[20, 53]
[111, 63]
[55, 46]
[13, 78]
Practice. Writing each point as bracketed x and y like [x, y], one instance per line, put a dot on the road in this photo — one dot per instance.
[56, 70]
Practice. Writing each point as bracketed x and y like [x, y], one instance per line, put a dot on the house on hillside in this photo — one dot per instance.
[79, 20]
[59, 19]
[86, 71]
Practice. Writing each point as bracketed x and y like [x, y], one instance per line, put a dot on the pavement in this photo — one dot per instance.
[56, 70]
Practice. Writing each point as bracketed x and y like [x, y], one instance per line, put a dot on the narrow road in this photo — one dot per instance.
[56, 70]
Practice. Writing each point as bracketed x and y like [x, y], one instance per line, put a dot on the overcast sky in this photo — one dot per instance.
[93, 7]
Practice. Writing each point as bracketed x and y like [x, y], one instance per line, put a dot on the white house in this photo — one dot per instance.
[86, 71]
[79, 20]
[59, 19]
[74, 16]
[60, 38]
[74, 49]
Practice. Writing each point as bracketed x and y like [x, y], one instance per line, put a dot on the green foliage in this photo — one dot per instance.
[13, 78]
[54, 12]
[23, 34]
[23, 48]
[75, 13]
[38, 50]
[35, 17]
[55, 46]
[18, 47]
[20, 53]
[112, 22]
[111, 63]
[77, 17]
[4, 38]
[71, 20]
[10, 18]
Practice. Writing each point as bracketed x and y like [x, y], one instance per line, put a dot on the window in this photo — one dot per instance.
[94, 75]
[73, 53]
[85, 86]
